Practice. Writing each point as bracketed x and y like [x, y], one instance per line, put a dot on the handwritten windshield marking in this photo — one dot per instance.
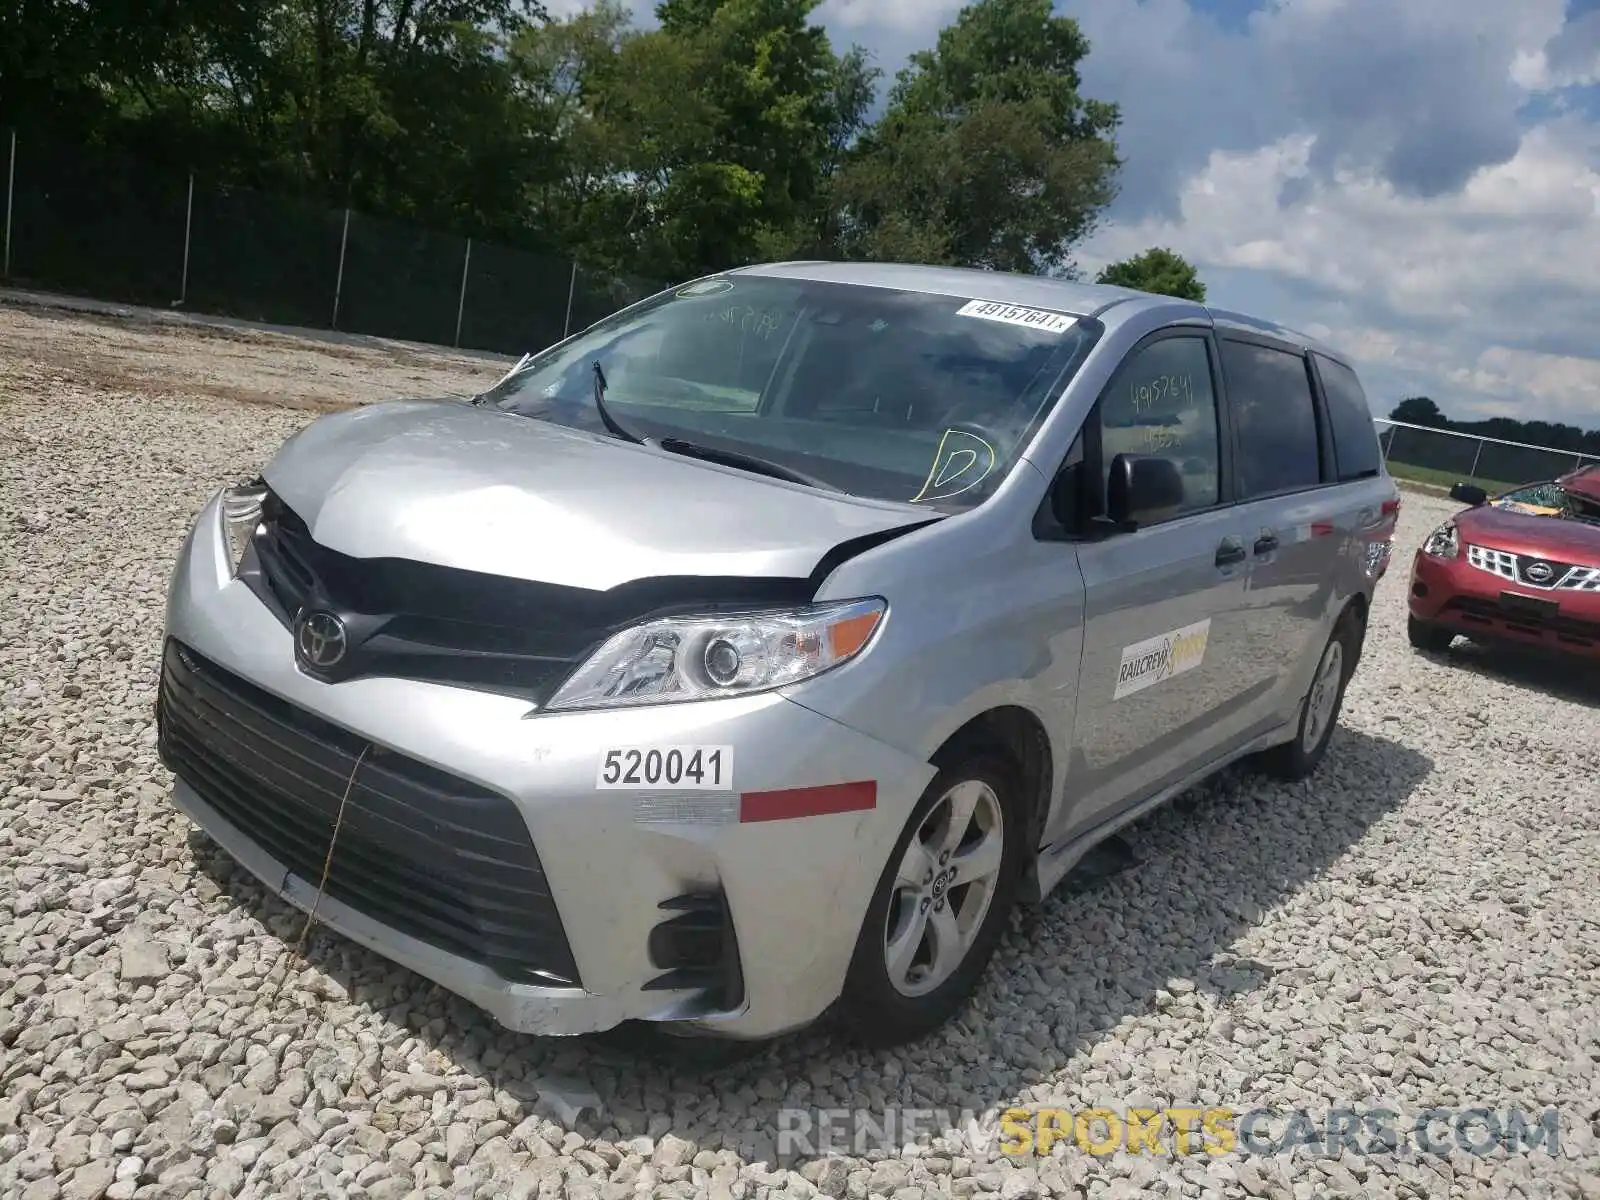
[1160, 437]
[745, 319]
[1145, 396]
[706, 287]
[951, 470]
[979, 462]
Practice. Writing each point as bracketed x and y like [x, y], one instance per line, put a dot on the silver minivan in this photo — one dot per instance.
[750, 654]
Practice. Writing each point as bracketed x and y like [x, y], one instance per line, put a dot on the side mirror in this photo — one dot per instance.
[1467, 493]
[1066, 496]
[1142, 486]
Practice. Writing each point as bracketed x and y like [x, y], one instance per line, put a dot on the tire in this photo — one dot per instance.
[1430, 639]
[877, 1009]
[1319, 712]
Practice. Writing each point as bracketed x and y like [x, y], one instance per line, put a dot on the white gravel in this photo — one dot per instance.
[1417, 926]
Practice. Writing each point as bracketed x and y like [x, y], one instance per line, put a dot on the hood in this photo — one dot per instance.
[444, 482]
[1522, 533]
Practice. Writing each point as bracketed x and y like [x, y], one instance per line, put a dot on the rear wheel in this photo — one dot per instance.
[1428, 637]
[1319, 713]
[940, 905]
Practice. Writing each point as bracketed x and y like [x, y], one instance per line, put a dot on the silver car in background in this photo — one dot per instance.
[751, 653]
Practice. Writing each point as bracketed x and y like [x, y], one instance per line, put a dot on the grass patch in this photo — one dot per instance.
[1444, 479]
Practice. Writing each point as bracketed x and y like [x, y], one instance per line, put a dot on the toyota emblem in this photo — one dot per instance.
[320, 639]
[1539, 572]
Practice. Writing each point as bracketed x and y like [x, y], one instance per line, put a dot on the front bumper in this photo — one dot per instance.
[632, 878]
[1453, 594]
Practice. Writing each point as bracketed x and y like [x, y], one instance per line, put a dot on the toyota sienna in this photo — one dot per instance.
[750, 654]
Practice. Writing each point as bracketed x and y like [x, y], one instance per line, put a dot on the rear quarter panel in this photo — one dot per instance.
[1350, 561]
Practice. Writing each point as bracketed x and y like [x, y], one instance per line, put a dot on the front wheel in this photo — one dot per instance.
[1319, 714]
[940, 905]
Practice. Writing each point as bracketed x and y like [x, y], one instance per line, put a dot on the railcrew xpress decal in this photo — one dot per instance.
[1155, 660]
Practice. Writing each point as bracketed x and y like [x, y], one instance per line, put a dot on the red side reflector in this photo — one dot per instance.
[1321, 528]
[792, 803]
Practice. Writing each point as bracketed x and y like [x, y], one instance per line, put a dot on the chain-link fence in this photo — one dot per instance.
[104, 227]
[1446, 456]
[108, 228]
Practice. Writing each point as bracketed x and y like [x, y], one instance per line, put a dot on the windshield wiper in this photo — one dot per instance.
[611, 422]
[749, 462]
[520, 366]
[728, 458]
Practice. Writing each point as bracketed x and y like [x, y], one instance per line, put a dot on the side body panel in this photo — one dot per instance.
[1152, 596]
[984, 614]
[1309, 547]
[1162, 687]
[981, 616]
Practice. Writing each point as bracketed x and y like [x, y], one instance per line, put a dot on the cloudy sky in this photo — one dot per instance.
[1415, 181]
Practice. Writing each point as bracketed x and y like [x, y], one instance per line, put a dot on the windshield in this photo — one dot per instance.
[886, 394]
[1550, 500]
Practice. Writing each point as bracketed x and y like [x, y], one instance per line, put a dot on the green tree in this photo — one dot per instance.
[1419, 410]
[588, 84]
[731, 132]
[702, 144]
[987, 156]
[394, 106]
[1157, 270]
[780, 101]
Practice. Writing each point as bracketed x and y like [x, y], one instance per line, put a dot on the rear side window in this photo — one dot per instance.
[1355, 441]
[1269, 395]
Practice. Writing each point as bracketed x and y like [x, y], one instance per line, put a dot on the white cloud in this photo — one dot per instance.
[561, 9]
[914, 17]
[1569, 57]
[1364, 169]
[1461, 289]
[1506, 373]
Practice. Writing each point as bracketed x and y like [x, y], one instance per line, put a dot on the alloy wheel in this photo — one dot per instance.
[1324, 696]
[943, 888]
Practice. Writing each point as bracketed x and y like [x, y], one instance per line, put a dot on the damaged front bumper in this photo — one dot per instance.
[479, 851]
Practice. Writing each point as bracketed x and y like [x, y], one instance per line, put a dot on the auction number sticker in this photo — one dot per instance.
[666, 768]
[1012, 314]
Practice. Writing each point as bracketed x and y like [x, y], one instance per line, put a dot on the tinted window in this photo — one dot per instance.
[1355, 441]
[1269, 395]
[890, 394]
[1161, 402]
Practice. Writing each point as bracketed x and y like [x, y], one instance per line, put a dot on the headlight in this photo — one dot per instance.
[241, 515]
[702, 658]
[1443, 542]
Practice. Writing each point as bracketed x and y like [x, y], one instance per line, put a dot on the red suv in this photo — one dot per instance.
[1521, 568]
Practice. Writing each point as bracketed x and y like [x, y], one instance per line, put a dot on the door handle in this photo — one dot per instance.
[1229, 552]
[1266, 543]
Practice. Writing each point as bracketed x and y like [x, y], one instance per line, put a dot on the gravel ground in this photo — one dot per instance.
[1417, 926]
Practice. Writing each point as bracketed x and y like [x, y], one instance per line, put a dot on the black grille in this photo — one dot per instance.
[434, 856]
[697, 949]
[1558, 571]
[1472, 610]
[416, 620]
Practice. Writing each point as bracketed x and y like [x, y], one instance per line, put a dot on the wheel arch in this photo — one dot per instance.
[1019, 736]
[1358, 607]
